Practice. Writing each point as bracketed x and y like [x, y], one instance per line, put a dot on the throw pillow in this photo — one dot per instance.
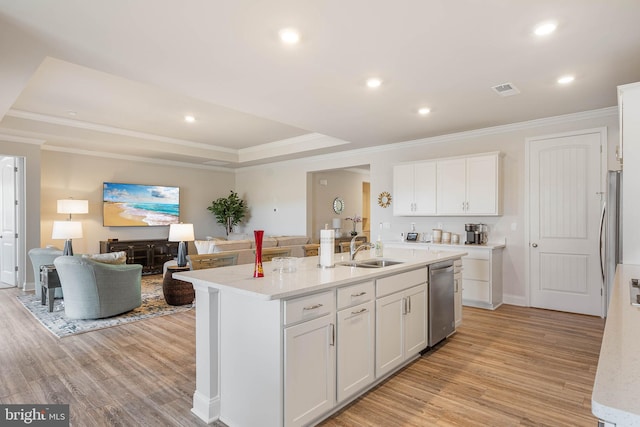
[108, 258]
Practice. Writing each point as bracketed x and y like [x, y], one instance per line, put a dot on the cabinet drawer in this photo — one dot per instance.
[399, 282]
[476, 254]
[476, 290]
[477, 269]
[308, 307]
[355, 294]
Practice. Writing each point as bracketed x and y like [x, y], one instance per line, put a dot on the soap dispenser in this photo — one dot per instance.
[379, 246]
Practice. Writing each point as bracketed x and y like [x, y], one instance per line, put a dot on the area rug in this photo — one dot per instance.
[153, 305]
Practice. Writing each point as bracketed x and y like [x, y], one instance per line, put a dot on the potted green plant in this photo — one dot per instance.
[229, 211]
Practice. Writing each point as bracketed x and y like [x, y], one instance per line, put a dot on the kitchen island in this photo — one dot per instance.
[617, 384]
[291, 348]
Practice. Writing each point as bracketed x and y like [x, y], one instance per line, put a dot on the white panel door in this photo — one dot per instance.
[564, 213]
[8, 211]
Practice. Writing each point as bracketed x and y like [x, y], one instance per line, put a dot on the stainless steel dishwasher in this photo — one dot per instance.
[442, 321]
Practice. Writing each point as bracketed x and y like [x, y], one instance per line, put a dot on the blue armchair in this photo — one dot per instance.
[93, 290]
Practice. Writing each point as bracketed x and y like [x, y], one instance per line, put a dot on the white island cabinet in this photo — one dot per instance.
[290, 349]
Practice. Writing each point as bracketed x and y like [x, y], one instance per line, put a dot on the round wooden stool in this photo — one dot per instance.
[177, 292]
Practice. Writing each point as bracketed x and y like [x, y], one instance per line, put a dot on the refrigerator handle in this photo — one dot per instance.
[602, 219]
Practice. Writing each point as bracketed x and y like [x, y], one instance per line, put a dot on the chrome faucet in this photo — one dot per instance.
[353, 250]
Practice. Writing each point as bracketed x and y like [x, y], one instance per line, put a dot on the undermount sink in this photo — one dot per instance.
[370, 263]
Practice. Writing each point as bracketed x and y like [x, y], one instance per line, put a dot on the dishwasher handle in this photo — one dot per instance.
[441, 270]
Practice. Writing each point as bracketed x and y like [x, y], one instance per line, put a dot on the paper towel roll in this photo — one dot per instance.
[327, 245]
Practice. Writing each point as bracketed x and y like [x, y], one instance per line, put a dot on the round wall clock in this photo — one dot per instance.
[338, 205]
[384, 199]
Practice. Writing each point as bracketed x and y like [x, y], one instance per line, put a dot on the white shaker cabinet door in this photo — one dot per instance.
[452, 187]
[389, 336]
[482, 185]
[403, 190]
[310, 375]
[425, 188]
[355, 349]
[415, 321]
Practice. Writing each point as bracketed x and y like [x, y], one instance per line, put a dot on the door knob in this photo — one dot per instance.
[535, 245]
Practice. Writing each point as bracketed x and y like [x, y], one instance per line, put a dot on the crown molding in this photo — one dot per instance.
[20, 139]
[136, 159]
[26, 115]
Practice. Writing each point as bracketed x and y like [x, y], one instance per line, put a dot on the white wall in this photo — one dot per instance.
[71, 175]
[286, 181]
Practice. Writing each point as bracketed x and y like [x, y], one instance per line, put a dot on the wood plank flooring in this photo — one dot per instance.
[515, 366]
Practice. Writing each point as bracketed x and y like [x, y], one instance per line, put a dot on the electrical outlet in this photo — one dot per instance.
[439, 226]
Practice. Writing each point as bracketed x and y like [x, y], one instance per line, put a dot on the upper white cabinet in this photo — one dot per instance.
[469, 186]
[414, 188]
[454, 186]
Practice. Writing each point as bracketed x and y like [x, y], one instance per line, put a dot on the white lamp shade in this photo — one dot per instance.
[181, 233]
[337, 223]
[73, 206]
[66, 230]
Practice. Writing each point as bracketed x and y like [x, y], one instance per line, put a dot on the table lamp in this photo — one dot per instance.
[181, 233]
[73, 206]
[67, 230]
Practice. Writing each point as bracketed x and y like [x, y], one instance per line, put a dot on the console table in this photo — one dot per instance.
[152, 254]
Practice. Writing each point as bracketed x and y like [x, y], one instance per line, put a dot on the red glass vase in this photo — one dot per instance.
[258, 271]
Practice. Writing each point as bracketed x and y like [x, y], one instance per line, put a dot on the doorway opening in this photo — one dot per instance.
[351, 186]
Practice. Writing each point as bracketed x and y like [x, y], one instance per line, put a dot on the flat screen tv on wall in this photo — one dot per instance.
[137, 205]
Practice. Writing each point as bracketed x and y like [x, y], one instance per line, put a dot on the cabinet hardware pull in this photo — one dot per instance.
[359, 294]
[312, 307]
[404, 306]
[333, 335]
[409, 298]
[362, 310]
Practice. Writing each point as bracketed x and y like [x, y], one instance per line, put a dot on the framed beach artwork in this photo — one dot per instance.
[137, 205]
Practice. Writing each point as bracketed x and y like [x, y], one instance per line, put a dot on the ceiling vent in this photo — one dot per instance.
[506, 89]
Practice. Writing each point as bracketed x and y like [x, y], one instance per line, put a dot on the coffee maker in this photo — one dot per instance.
[476, 234]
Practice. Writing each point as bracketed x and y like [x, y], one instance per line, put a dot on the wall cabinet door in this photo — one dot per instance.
[452, 187]
[401, 327]
[482, 185]
[469, 186]
[355, 349]
[414, 187]
[310, 374]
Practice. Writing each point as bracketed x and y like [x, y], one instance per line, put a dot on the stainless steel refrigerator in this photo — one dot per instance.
[611, 233]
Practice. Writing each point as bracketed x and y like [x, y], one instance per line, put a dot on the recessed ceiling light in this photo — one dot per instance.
[374, 83]
[566, 79]
[72, 113]
[545, 28]
[189, 119]
[289, 36]
[424, 111]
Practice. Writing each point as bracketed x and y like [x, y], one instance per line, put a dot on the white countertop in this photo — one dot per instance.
[444, 246]
[308, 276]
[616, 390]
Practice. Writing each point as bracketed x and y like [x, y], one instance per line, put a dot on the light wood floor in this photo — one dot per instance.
[514, 366]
